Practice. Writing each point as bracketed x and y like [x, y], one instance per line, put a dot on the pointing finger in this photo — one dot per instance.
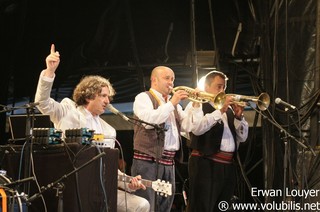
[52, 49]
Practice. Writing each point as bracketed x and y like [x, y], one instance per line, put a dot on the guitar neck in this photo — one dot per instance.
[127, 179]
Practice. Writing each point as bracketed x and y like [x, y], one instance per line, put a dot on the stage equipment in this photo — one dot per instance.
[103, 141]
[59, 185]
[47, 136]
[262, 101]
[79, 135]
[280, 101]
[17, 126]
[11, 198]
[83, 191]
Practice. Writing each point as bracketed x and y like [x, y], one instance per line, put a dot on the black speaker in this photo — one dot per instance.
[83, 190]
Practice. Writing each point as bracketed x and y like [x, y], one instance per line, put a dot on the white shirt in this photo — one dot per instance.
[93, 122]
[143, 109]
[211, 119]
[66, 114]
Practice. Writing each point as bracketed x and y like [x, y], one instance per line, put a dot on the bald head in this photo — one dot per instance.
[158, 70]
[162, 79]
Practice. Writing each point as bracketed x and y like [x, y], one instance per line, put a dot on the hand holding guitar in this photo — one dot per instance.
[135, 183]
[161, 187]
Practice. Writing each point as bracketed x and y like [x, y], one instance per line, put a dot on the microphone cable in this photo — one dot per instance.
[102, 181]
[36, 181]
[72, 161]
[123, 171]
[33, 172]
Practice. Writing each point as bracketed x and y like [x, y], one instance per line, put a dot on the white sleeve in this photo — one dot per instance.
[206, 122]
[143, 109]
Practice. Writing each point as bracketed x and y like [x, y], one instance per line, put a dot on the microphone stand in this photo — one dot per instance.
[287, 137]
[303, 180]
[7, 109]
[155, 126]
[28, 146]
[59, 185]
[14, 183]
[60, 188]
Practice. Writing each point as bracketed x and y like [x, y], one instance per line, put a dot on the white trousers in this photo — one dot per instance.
[134, 203]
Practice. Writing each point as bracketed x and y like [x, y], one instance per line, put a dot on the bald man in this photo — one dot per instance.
[156, 149]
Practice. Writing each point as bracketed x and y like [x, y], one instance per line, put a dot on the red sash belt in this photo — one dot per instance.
[167, 157]
[220, 157]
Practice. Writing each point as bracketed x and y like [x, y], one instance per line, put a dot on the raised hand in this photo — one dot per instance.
[52, 62]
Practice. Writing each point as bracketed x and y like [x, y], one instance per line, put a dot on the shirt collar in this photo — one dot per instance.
[87, 113]
[159, 95]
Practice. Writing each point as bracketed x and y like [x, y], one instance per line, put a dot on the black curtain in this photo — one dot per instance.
[290, 71]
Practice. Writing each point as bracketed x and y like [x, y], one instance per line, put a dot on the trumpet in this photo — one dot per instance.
[199, 97]
[262, 101]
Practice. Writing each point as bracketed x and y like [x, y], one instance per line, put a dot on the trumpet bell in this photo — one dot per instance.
[263, 101]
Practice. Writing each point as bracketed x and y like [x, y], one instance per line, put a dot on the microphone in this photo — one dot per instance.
[18, 182]
[279, 101]
[117, 112]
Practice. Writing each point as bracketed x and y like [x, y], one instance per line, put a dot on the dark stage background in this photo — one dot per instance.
[263, 46]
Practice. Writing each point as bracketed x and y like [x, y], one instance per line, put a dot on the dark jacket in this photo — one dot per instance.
[209, 142]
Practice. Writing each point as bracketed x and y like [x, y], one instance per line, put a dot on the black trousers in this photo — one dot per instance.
[209, 183]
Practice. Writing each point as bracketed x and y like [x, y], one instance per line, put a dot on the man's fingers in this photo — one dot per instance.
[53, 50]
[142, 186]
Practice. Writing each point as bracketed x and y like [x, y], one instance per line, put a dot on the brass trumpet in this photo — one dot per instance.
[199, 97]
[262, 101]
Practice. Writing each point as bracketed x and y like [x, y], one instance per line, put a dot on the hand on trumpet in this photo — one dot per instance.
[178, 96]
[228, 101]
[192, 94]
[196, 93]
[238, 110]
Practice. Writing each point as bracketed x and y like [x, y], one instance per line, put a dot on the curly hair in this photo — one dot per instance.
[89, 87]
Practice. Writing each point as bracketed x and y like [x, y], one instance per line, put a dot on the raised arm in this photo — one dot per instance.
[52, 62]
